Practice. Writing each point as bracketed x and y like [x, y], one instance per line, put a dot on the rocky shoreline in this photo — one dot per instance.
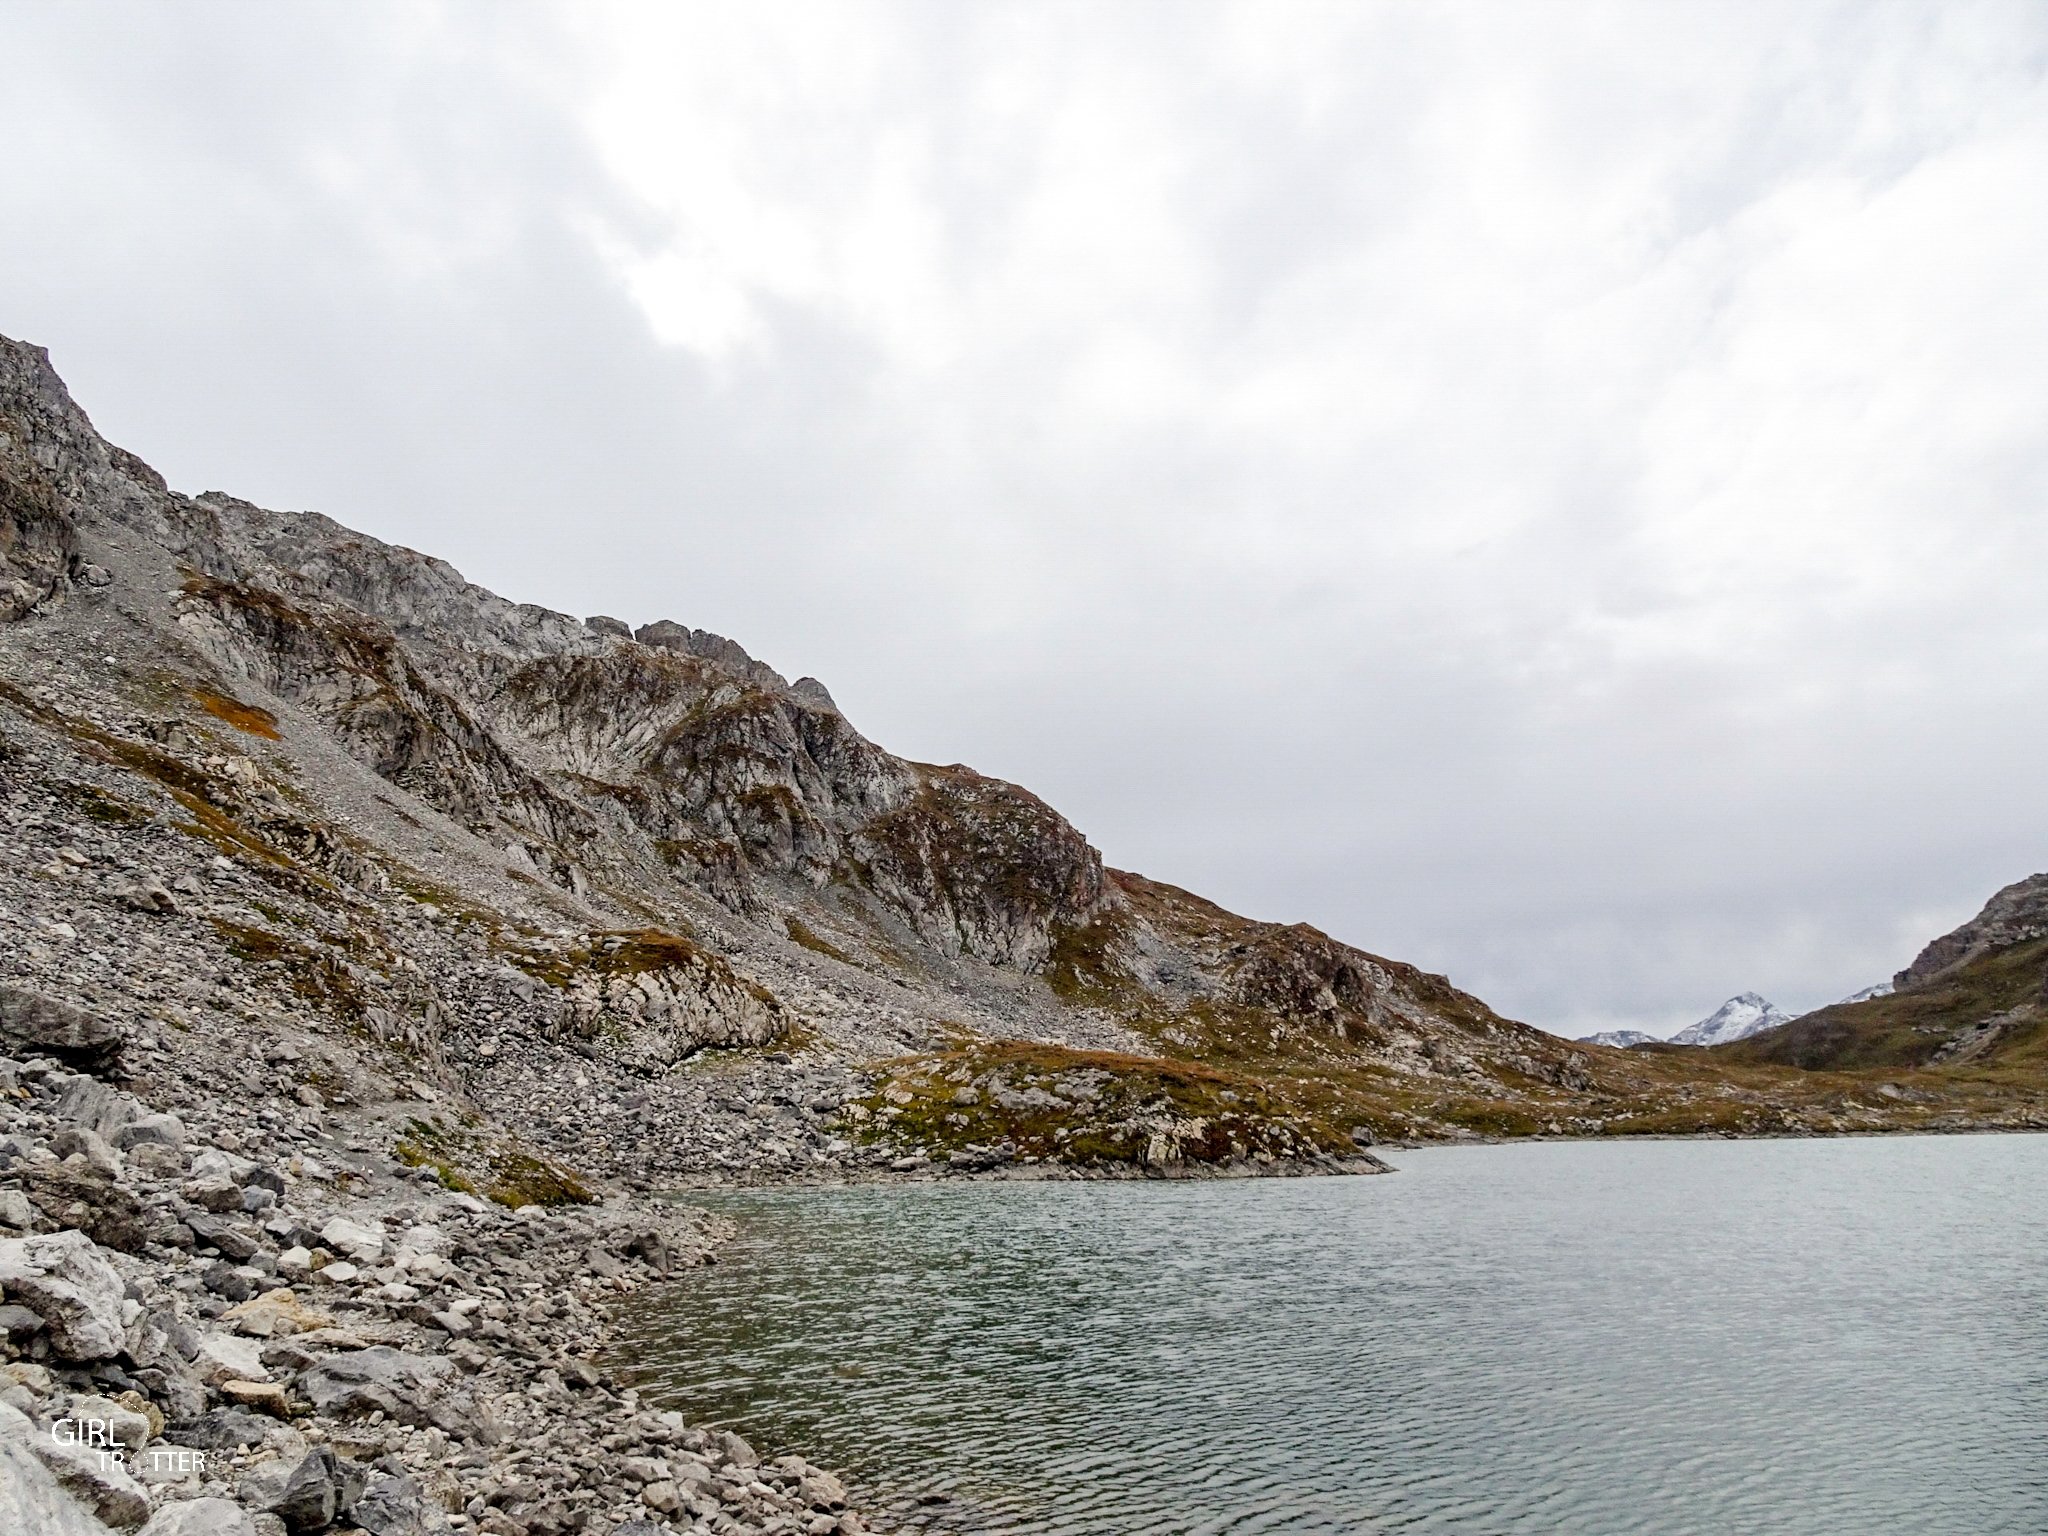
[249, 1318]
[923, 1170]
[213, 1331]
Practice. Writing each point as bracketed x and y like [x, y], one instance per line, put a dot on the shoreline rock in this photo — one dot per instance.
[365, 1350]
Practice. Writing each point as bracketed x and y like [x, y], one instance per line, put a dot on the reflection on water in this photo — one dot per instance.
[1791, 1336]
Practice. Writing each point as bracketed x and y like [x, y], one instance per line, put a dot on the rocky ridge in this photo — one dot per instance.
[2016, 915]
[1974, 1000]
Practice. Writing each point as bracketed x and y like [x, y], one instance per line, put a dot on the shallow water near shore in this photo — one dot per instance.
[1681, 1336]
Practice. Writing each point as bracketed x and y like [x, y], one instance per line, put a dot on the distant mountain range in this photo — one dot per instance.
[1743, 1015]
[1621, 1039]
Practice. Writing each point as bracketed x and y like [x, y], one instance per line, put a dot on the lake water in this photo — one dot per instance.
[1714, 1337]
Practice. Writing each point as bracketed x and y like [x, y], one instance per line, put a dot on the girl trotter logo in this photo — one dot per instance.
[97, 1436]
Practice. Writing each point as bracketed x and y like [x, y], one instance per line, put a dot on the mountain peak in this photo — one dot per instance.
[1745, 1014]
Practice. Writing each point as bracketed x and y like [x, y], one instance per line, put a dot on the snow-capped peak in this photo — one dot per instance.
[1741, 1016]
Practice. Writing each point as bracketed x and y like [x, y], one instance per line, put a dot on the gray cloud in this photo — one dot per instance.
[1554, 495]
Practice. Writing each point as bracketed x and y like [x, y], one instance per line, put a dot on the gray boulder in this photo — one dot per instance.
[393, 1506]
[92, 1478]
[151, 1130]
[81, 1195]
[93, 1104]
[18, 1322]
[233, 1241]
[360, 1382]
[358, 1241]
[321, 1489]
[85, 1142]
[65, 1280]
[15, 1210]
[38, 1023]
[224, 1429]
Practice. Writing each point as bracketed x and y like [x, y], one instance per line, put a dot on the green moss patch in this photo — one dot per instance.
[463, 1158]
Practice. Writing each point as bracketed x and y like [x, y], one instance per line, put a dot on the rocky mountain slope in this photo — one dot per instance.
[1975, 999]
[1619, 1039]
[500, 837]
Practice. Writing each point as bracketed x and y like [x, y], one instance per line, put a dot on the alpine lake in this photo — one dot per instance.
[1788, 1336]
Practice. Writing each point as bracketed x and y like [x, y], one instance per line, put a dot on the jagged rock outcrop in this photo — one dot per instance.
[2016, 915]
[38, 535]
[656, 999]
[594, 751]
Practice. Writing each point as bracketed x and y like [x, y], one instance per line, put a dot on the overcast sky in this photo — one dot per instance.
[1553, 493]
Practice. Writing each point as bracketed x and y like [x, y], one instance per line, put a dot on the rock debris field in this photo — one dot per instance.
[226, 1324]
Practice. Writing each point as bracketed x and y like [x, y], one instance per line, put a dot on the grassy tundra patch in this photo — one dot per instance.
[1091, 1108]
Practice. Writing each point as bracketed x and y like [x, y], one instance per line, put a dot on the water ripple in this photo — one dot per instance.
[1675, 1337]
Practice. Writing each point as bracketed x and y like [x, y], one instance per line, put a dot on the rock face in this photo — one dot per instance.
[2016, 915]
[38, 534]
[601, 757]
[1741, 1016]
